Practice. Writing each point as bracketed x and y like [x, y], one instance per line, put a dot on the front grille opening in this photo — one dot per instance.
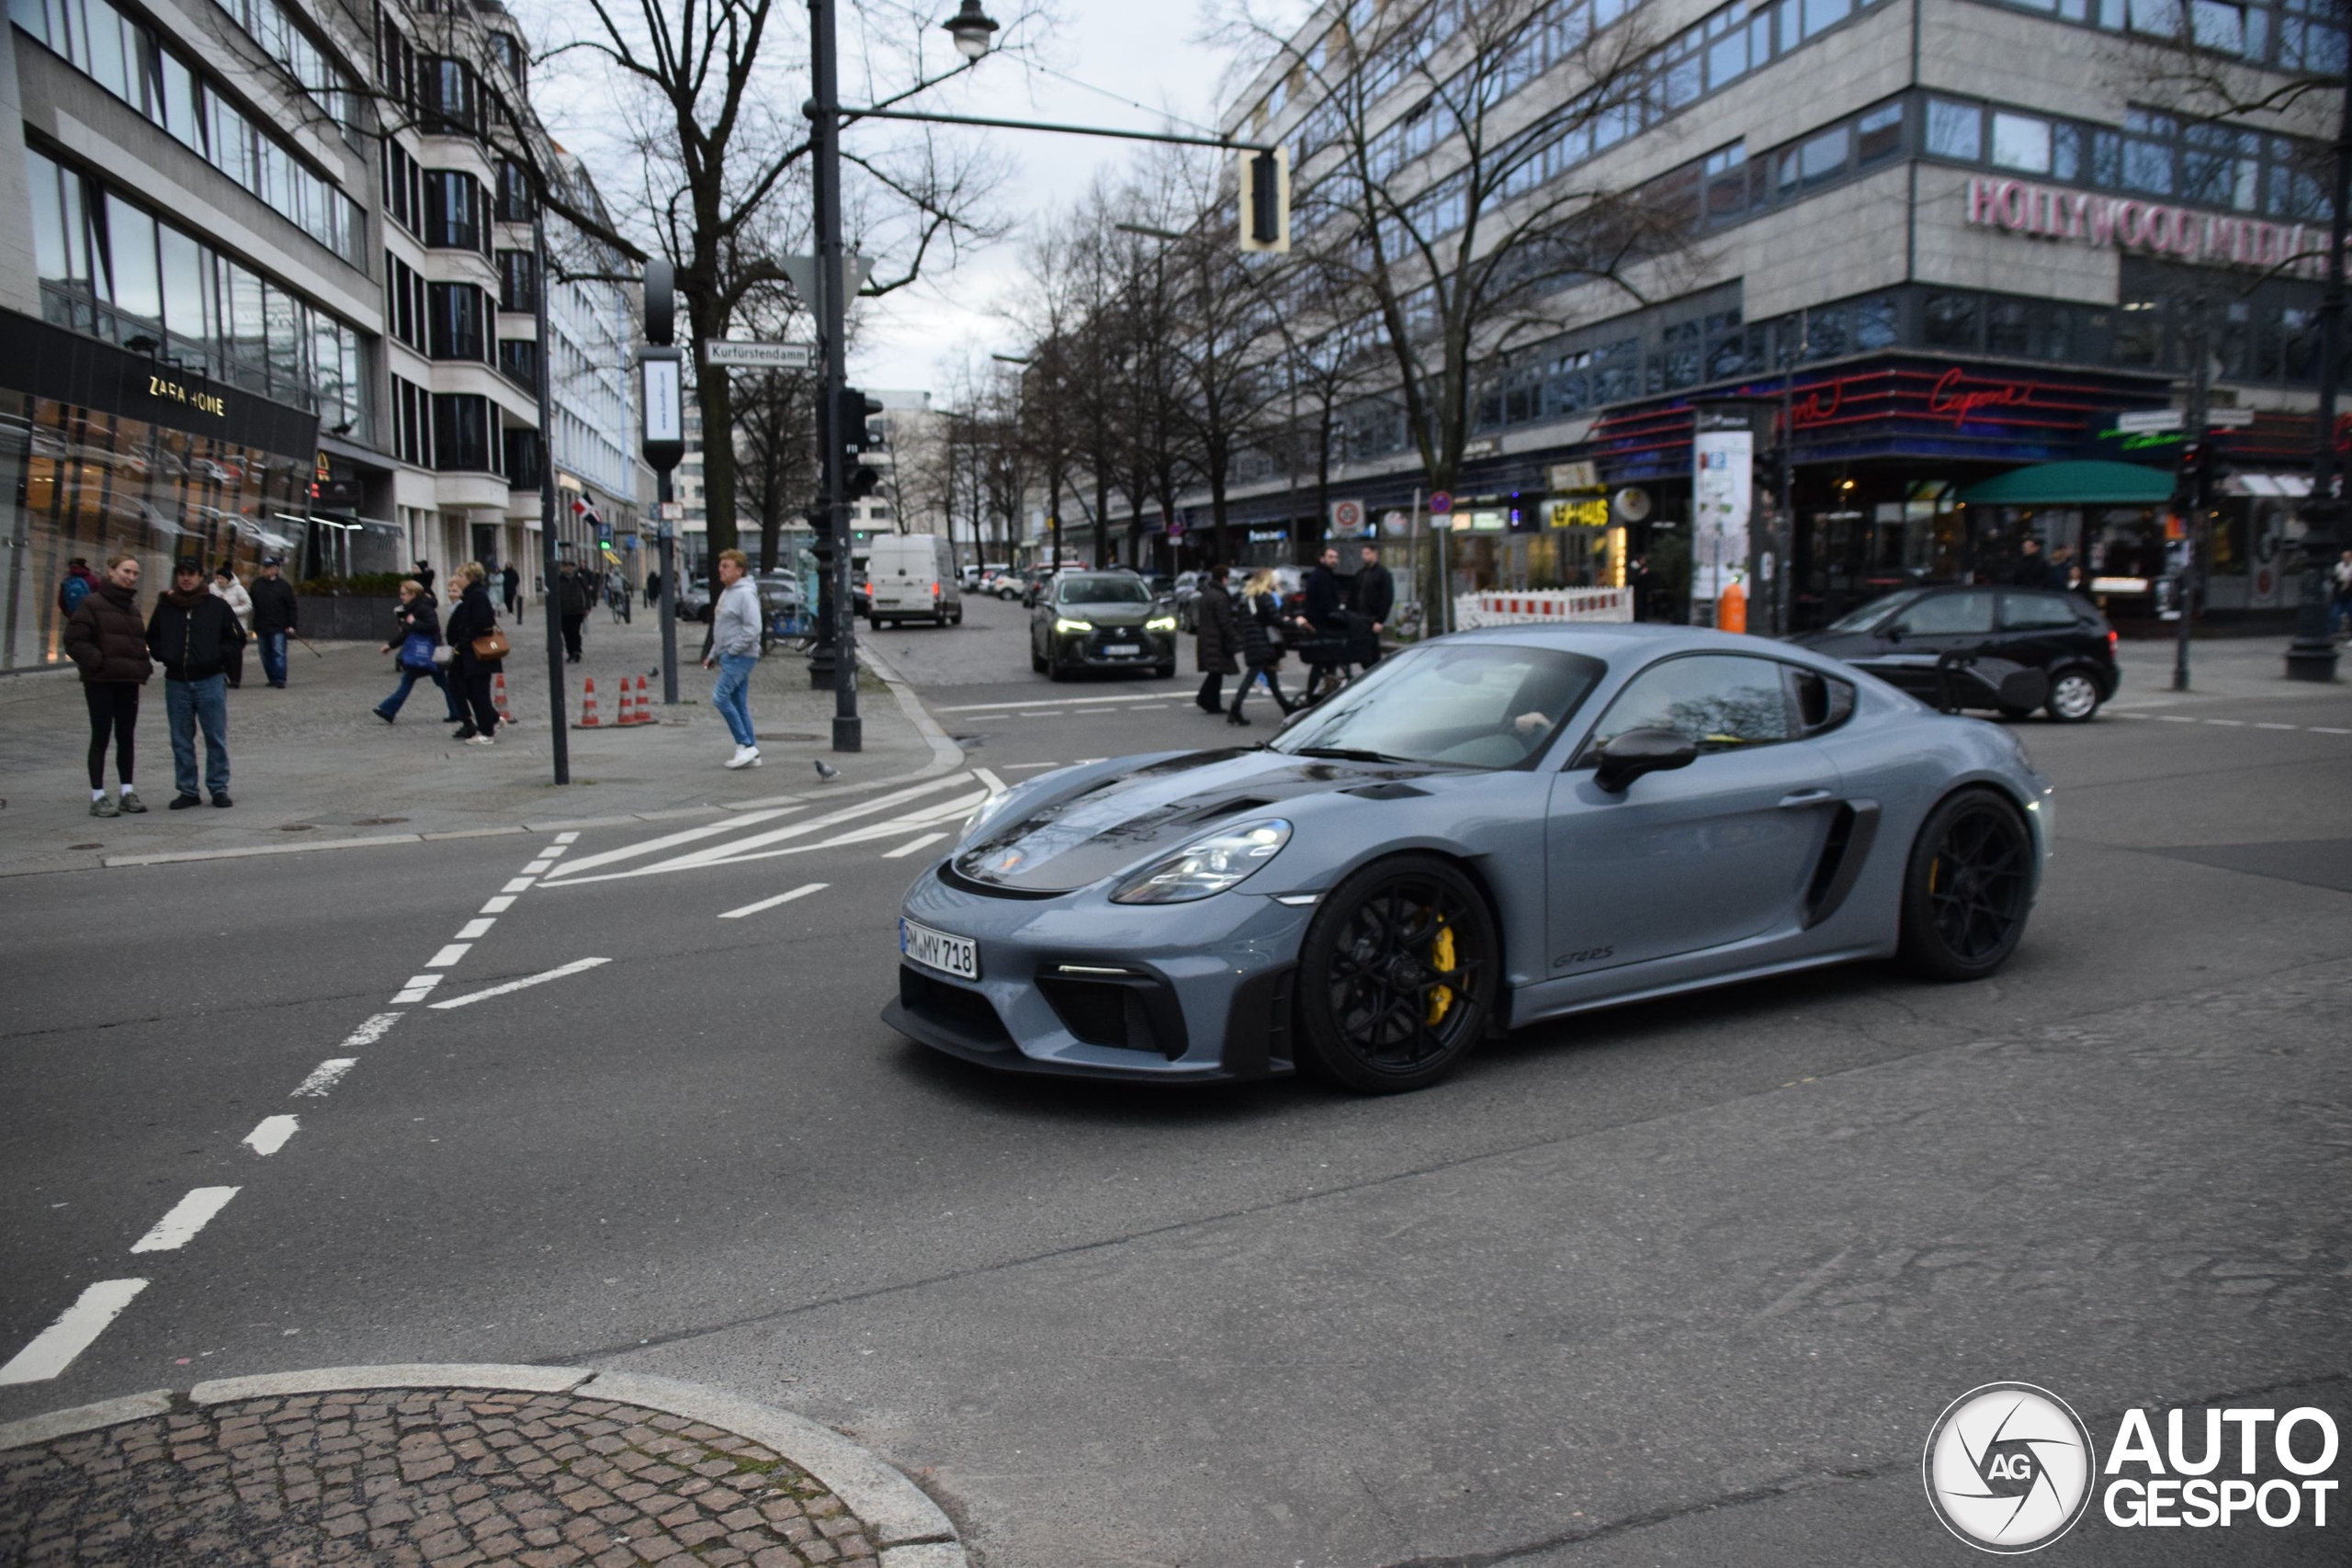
[967, 1014]
[1138, 1013]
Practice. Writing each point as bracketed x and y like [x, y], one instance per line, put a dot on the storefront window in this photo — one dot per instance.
[79, 483]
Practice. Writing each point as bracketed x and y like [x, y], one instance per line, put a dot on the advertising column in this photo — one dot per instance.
[1722, 456]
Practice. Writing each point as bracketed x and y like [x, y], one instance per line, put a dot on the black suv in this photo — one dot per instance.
[1903, 638]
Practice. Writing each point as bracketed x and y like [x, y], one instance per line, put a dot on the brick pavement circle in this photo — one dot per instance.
[440, 1478]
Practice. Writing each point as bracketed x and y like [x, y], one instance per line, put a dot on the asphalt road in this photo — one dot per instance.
[1681, 1283]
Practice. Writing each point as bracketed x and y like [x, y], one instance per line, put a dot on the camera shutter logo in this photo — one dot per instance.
[2009, 1467]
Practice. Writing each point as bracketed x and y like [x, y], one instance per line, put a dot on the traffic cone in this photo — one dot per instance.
[588, 719]
[635, 710]
[498, 697]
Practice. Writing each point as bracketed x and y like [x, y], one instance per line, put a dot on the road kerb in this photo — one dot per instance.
[945, 753]
[81, 1418]
[496, 1376]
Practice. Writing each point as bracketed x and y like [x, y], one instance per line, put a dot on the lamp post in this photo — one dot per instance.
[2311, 656]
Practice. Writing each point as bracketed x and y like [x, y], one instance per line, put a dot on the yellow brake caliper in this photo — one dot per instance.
[1441, 959]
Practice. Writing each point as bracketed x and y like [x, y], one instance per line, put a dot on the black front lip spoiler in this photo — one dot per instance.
[1010, 1060]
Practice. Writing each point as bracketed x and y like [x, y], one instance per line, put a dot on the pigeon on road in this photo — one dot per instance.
[825, 770]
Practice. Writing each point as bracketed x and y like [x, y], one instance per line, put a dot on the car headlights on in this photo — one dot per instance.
[1209, 865]
[1066, 625]
[1160, 624]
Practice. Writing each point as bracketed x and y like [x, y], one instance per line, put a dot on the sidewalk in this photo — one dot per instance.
[2220, 670]
[312, 765]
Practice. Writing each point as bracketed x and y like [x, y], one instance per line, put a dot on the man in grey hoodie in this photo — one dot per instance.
[735, 652]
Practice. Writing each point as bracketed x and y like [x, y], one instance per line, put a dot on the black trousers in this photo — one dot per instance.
[474, 680]
[571, 636]
[1212, 697]
[114, 712]
[1256, 672]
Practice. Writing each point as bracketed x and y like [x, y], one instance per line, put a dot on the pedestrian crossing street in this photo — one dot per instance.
[902, 821]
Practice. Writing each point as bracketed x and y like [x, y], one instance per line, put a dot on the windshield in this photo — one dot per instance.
[1870, 615]
[1472, 704]
[1102, 591]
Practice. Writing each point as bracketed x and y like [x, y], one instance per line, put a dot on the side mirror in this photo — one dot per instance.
[1637, 751]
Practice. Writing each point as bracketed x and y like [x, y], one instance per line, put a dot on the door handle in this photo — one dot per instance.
[1797, 800]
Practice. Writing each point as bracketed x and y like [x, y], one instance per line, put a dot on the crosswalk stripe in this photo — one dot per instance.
[670, 842]
[753, 848]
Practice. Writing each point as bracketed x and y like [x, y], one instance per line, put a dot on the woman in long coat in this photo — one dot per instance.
[1217, 639]
[1263, 631]
[472, 616]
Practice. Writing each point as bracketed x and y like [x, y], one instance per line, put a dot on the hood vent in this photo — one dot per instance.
[1388, 789]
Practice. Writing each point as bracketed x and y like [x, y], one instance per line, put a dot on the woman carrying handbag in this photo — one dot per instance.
[416, 643]
[482, 651]
[1261, 615]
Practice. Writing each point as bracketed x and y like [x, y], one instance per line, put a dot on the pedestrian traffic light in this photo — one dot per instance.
[1265, 201]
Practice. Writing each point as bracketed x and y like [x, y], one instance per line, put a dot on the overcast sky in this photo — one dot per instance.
[1151, 53]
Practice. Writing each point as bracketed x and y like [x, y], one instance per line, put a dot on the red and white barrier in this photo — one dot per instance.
[1528, 606]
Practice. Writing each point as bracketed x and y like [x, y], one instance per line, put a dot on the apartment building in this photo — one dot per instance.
[1932, 248]
[267, 288]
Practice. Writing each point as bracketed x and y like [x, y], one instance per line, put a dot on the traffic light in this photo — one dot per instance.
[1265, 201]
[852, 409]
[2194, 483]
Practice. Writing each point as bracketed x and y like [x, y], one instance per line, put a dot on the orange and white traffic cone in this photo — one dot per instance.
[634, 709]
[588, 719]
[498, 698]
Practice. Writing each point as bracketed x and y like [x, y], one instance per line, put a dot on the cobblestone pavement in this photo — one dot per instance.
[445, 1478]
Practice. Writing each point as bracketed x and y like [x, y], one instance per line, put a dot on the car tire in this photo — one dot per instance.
[2016, 713]
[1967, 887]
[2075, 695]
[1376, 936]
[1036, 659]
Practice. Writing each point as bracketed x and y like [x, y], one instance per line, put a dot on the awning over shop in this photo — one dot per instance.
[2268, 484]
[2087, 483]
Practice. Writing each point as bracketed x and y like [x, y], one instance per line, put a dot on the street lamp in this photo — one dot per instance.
[970, 27]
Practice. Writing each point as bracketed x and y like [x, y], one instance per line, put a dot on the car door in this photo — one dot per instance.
[1698, 857]
[2038, 627]
[1958, 620]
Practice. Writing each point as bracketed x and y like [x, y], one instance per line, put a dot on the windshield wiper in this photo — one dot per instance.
[1347, 754]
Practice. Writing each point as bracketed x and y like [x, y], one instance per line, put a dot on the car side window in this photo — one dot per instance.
[2036, 613]
[1721, 701]
[1949, 615]
[1823, 702]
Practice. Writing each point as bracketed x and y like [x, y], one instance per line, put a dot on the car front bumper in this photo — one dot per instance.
[1093, 650]
[1079, 986]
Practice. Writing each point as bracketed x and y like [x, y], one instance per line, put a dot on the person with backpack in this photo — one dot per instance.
[106, 642]
[416, 639]
[192, 634]
[79, 581]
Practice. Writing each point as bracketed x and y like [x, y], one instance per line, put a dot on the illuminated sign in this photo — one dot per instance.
[2081, 216]
[1583, 512]
[202, 401]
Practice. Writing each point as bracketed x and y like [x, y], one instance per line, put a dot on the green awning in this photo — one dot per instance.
[2086, 483]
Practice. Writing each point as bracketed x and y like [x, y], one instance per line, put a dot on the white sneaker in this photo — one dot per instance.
[479, 740]
[744, 757]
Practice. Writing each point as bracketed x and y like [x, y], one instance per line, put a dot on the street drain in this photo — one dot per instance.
[297, 827]
[376, 821]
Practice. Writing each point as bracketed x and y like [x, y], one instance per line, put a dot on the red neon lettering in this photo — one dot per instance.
[1817, 409]
[1946, 397]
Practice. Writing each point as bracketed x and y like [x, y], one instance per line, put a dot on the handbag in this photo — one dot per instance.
[417, 649]
[490, 645]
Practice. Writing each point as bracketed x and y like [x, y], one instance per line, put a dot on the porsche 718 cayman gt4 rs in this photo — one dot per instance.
[1485, 830]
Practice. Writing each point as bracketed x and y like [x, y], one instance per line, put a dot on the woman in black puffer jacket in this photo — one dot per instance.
[106, 639]
[471, 618]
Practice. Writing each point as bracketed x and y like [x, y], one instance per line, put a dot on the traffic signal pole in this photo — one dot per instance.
[824, 117]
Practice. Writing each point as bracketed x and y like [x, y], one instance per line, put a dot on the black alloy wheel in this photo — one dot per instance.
[1397, 976]
[1968, 887]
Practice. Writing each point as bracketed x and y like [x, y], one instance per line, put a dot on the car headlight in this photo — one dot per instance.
[1066, 625]
[1209, 864]
[1160, 624]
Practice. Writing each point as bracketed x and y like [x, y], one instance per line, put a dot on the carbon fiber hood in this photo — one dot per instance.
[1072, 839]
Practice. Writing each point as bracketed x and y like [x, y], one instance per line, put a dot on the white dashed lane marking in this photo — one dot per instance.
[419, 986]
[574, 967]
[374, 1029]
[801, 892]
[189, 1215]
[2233, 723]
[447, 955]
[323, 1077]
[472, 929]
[271, 1136]
[499, 904]
[54, 1348]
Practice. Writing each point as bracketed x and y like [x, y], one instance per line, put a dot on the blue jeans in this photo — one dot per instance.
[273, 658]
[409, 678]
[733, 696]
[191, 704]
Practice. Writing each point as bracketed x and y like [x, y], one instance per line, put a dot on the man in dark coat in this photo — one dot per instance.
[194, 635]
[511, 581]
[1216, 647]
[1375, 601]
[572, 600]
[273, 599]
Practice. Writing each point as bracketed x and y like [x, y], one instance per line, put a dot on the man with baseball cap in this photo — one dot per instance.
[273, 599]
[194, 634]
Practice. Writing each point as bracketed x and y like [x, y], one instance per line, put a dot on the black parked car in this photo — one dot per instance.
[1950, 646]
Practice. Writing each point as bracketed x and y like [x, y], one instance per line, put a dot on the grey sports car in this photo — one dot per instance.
[1483, 831]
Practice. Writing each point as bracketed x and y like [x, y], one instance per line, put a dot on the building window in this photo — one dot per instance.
[518, 360]
[1951, 322]
[453, 210]
[403, 188]
[405, 310]
[460, 328]
[449, 104]
[514, 192]
[523, 455]
[518, 282]
[461, 428]
[412, 423]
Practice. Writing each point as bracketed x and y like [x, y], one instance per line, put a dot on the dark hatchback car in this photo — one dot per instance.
[1906, 639]
[1102, 620]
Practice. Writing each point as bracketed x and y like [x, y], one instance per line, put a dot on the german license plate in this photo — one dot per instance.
[956, 955]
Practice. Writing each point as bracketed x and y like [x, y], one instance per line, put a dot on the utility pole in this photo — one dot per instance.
[2311, 656]
[559, 735]
[662, 423]
[824, 116]
[2188, 486]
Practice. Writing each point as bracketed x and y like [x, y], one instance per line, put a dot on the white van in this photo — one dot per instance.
[913, 578]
